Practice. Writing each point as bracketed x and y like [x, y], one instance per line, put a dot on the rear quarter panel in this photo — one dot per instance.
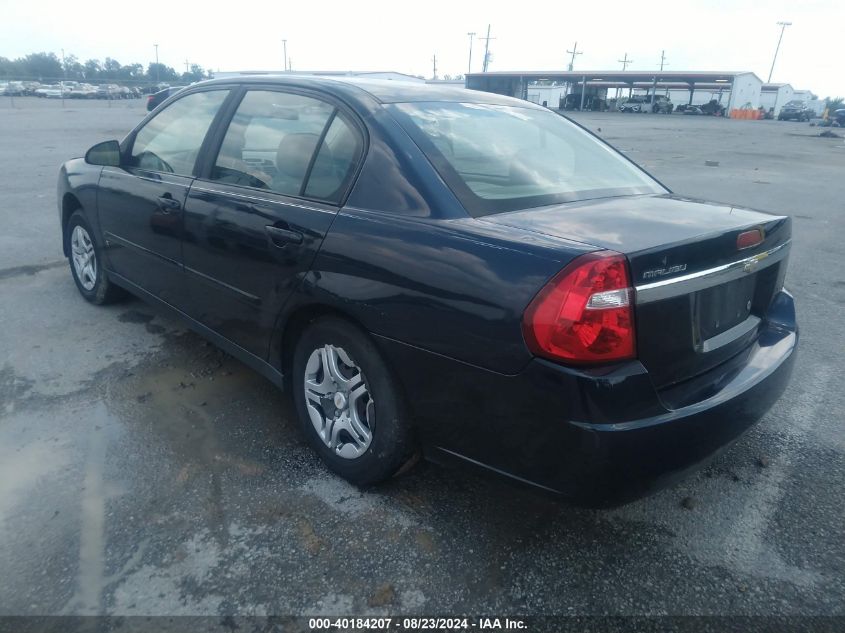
[455, 287]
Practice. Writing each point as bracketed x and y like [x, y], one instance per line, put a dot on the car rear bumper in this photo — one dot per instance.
[596, 436]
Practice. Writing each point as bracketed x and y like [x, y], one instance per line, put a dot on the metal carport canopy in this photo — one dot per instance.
[626, 77]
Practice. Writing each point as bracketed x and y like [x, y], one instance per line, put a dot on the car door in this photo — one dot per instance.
[140, 203]
[256, 217]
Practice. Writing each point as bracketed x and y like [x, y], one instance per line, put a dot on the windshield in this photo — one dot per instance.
[502, 158]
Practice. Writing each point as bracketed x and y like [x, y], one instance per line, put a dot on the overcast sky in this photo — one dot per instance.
[403, 36]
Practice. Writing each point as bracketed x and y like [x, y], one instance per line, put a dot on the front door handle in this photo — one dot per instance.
[168, 203]
[283, 236]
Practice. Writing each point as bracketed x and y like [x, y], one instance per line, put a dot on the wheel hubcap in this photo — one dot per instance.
[338, 400]
[84, 258]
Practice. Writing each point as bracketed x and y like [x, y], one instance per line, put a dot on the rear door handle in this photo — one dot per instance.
[168, 203]
[283, 236]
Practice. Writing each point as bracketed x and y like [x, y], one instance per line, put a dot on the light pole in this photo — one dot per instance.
[285, 47]
[782, 26]
[158, 78]
[469, 66]
[64, 75]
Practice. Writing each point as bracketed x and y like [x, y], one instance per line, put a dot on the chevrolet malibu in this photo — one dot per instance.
[447, 271]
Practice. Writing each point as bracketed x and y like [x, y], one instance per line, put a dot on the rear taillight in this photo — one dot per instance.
[584, 314]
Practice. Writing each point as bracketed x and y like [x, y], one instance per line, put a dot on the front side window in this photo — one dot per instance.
[271, 144]
[171, 140]
[502, 158]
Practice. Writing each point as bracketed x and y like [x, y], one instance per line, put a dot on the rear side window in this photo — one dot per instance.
[502, 158]
[289, 144]
[171, 140]
[335, 164]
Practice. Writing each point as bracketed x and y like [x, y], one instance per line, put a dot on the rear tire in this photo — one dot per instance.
[85, 258]
[349, 405]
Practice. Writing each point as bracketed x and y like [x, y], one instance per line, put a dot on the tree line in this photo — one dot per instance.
[48, 67]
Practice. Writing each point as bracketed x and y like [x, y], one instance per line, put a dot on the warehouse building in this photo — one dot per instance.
[583, 89]
[775, 96]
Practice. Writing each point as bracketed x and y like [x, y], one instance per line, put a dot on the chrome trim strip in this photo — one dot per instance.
[243, 294]
[258, 199]
[702, 279]
[111, 237]
[732, 334]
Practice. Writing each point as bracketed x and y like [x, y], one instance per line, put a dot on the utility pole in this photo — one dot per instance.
[486, 49]
[662, 60]
[187, 66]
[158, 78]
[434, 61]
[285, 47]
[574, 52]
[782, 26]
[624, 61]
[469, 66]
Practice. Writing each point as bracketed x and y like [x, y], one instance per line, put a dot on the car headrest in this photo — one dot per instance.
[294, 153]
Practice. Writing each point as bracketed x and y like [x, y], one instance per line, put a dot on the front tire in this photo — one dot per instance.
[85, 258]
[349, 404]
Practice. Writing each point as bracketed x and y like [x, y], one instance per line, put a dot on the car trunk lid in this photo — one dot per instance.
[699, 298]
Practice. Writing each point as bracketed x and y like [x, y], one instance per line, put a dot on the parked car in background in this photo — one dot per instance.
[83, 91]
[13, 89]
[159, 97]
[49, 91]
[795, 111]
[661, 104]
[29, 87]
[635, 103]
[445, 266]
[658, 104]
[108, 91]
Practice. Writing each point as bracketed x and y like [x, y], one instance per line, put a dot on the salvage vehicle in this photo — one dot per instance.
[633, 104]
[443, 270]
[795, 111]
[157, 98]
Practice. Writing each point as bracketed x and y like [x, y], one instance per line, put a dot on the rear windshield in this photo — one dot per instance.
[502, 158]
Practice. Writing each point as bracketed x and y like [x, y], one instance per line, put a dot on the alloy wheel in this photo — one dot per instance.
[84, 257]
[338, 400]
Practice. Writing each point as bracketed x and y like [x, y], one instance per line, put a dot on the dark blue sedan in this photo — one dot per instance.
[446, 271]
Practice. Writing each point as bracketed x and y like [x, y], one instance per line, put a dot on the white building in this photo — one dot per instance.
[775, 96]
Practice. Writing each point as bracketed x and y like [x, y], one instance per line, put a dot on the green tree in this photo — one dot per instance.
[72, 68]
[834, 103]
[160, 72]
[92, 69]
[195, 74]
[40, 66]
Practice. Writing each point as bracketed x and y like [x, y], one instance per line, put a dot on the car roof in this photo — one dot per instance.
[381, 90]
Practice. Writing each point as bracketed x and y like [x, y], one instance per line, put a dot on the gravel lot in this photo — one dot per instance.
[144, 472]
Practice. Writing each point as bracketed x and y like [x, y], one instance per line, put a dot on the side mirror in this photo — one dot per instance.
[106, 154]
